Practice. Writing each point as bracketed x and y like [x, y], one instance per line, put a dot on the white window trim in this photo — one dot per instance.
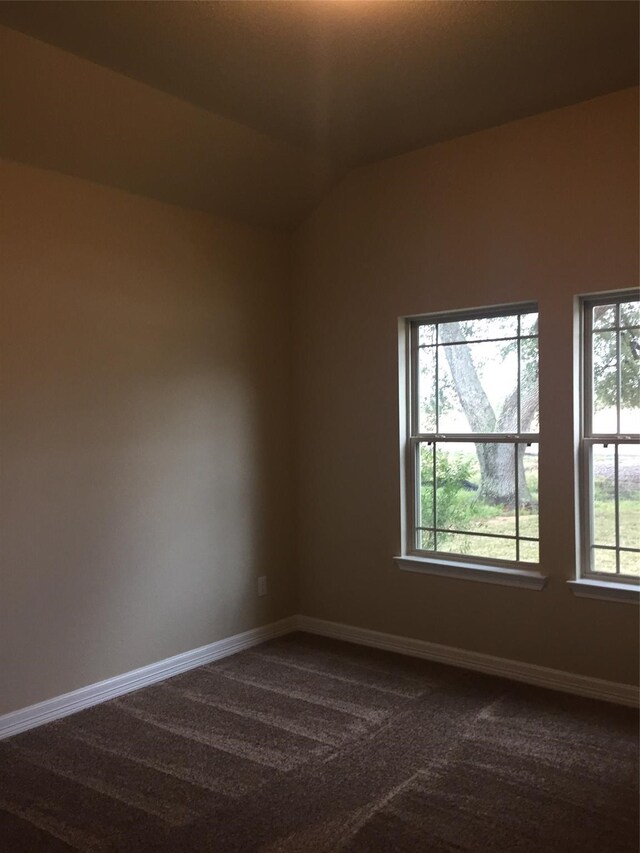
[605, 591]
[588, 584]
[472, 572]
[499, 572]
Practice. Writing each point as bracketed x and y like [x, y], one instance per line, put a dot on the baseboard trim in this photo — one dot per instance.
[554, 679]
[61, 706]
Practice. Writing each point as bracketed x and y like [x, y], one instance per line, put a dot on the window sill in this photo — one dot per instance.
[605, 591]
[472, 572]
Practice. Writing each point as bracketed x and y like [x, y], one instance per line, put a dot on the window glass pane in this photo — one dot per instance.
[467, 375]
[425, 540]
[477, 546]
[457, 486]
[604, 561]
[425, 485]
[528, 490]
[427, 389]
[529, 552]
[603, 491]
[630, 563]
[467, 501]
[604, 316]
[630, 381]
[478, 330]
[529, 323]
[629, 495]
[615, 469]
[528, 385]
[630, 313]
[605, 382]
[426, 334]
[479, 387]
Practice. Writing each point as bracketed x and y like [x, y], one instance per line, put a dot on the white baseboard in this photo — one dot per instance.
[541, 676]
[85, 697]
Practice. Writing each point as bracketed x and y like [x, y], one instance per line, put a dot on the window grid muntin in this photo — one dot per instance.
[504, 438]
[590, 439]
[416, 438]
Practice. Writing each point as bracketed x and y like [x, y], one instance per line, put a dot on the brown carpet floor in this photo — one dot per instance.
[305, 744]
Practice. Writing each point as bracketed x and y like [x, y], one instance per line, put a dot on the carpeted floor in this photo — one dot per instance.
[304, 744]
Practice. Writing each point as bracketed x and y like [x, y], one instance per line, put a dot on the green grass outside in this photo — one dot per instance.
[463, 511]
[488, 519]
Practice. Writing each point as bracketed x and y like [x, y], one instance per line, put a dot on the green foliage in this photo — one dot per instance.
[604, 488]
[455, 506]
[629, 512]
[460, 506]
[605, 379]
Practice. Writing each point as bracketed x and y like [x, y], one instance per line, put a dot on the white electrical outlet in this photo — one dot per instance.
[262, 585]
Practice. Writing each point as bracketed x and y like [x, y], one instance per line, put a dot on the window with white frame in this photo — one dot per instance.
[610, 450]
[472, 437]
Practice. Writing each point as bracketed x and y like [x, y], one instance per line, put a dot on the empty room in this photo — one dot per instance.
[320, 459]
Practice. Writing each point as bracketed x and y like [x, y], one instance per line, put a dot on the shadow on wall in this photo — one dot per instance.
[145, 434]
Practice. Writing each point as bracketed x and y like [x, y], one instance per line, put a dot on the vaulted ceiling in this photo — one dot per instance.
[253, 109]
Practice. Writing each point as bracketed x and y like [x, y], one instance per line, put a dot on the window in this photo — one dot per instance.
[472, 438]
[609, 447]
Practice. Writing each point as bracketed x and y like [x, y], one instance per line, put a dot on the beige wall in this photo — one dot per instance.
[541, 209]
[146, 435]
[149, 418]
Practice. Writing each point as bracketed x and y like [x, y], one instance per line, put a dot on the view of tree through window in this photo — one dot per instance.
[611, 452]
[474, 435]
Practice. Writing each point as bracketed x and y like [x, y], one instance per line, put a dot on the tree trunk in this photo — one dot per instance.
[473, 399]
[497, 461]
[497, 475]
